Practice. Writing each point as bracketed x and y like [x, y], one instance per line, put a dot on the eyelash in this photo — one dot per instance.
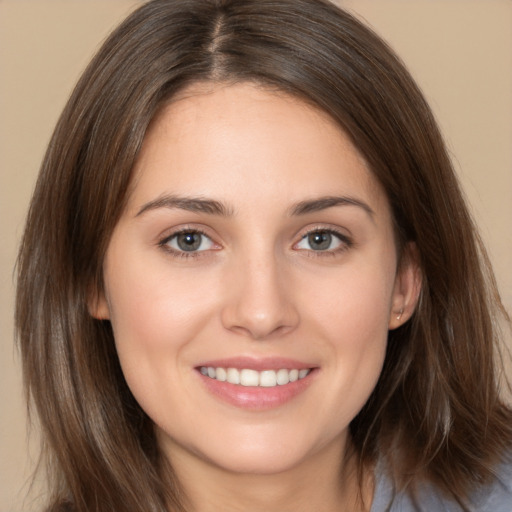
[182, 254]
[345, 241]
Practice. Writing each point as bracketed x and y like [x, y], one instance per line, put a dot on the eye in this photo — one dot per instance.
[188, 241]
[323, 240]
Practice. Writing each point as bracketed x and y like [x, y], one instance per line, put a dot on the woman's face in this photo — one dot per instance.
[251, 280]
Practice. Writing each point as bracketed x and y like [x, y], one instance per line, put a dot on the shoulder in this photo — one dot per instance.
[497, 497]
[494, 497]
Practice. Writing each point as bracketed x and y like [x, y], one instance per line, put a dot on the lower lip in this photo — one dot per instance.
[257, 397]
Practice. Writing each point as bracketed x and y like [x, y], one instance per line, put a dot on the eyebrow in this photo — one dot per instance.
[322, 203]
[191, 204]
[213, 207]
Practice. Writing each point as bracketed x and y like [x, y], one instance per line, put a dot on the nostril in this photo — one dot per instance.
[259, 303]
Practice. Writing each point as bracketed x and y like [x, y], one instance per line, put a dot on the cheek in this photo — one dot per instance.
[155, 315]
[154, 312]
[355, 304]
[351, 319]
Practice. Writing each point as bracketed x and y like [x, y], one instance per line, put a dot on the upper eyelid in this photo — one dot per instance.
[300, 235]
[172, 232]
[164, 244]
[338, 231]
[346, 240]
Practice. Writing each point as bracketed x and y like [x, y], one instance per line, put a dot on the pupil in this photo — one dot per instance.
[189, 241]
[320, 241]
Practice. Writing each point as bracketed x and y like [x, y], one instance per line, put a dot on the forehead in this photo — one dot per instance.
[214, 137]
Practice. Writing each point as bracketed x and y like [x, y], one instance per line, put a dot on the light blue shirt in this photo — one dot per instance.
[495, 497]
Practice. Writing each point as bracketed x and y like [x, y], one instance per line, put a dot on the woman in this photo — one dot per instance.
[249, 281]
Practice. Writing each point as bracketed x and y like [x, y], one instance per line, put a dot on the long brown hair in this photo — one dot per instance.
[435, 414]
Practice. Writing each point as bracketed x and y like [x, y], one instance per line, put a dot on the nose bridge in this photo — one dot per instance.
[260, 304]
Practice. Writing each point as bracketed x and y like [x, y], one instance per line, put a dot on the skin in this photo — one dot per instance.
[256, 288]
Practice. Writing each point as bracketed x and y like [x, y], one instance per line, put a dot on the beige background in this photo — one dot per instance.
[460, 51]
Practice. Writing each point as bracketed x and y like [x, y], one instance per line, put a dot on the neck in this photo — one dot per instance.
[326, 482]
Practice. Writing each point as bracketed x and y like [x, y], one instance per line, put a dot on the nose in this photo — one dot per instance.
[259, 301]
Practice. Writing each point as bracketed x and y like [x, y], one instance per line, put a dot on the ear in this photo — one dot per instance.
[407, 288]
[97, 305]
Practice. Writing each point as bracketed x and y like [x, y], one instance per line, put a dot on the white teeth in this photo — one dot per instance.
[283, 377]
[247, 377]
[233, 376]
[221, 374]
[303, 373]
[268, 378]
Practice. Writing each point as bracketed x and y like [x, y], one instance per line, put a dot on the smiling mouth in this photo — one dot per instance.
[253, 378]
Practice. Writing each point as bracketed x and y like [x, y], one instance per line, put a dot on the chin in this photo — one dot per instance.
[260, 452]
[257, 462]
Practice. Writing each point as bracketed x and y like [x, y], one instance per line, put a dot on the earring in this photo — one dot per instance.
[400, 313]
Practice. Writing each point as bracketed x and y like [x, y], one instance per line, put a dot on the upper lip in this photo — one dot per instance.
[259, 364]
